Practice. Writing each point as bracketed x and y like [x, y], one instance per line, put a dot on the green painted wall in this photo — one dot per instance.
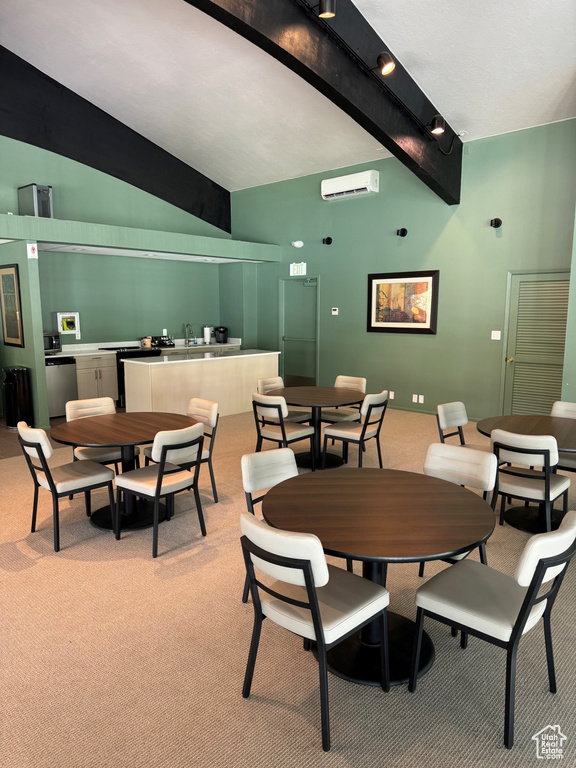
[238, 302]
[569, 377]
[81, 193]
[525, 178]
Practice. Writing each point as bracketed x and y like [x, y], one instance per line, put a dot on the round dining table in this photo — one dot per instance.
[530, 518]
[126, 431]
[380, 516]
[317, 398]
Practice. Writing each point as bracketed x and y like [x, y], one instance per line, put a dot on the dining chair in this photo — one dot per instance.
[454, 416]
[565, 410]
[485, 603]
[75, 477]
[316, 601]
[345, 413]
[372, 413]
[522, 481]
[175, 453]
[263, 386]
[261, 471]
[270, 417]
[205, 412]
[95, 406]
[468, 468]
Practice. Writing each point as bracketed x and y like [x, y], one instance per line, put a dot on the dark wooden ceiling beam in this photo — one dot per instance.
[336, 57]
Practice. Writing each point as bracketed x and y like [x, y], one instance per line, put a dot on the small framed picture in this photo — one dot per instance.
[10, 305]
[403, 302]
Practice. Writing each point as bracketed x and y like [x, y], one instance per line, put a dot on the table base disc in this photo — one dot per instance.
[142, 517]
[304, 460]
[529, 519]
[360, 663]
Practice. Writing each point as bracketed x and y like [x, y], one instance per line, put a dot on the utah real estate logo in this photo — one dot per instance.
[549, 743]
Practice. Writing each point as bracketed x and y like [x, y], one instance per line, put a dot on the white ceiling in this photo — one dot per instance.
[229, 110]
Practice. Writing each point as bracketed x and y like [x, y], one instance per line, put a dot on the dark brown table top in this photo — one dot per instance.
[319, 397]
[381, 514]
[118, 429]
[564, 430]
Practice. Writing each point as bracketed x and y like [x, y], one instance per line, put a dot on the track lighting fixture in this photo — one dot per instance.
[496, 223]
[327, 9]
[402, 232]
[438, 125]
[327, 241]
[385, 63]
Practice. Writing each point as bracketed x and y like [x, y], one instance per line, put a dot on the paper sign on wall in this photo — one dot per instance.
[69, 322]
[32, 250]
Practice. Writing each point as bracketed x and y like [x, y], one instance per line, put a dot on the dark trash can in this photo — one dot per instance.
[17, 397]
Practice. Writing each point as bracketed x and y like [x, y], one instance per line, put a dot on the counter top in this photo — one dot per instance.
[83, 350]
[195, 355]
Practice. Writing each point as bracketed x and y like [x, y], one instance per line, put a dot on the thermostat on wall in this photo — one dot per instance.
[68, 322]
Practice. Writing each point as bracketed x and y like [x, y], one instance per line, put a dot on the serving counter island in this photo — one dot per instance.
[167, 383]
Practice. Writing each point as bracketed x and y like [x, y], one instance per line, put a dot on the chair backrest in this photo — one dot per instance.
[564, 409]
[267, 407]
[350, 382]
[272, 382]
[461, 465]
[374, 406]
[37, 437]
[286, 544]
[185, 456]
[531, 448]
[204, 411]
[93, 406]
[451, 415]
[267, 468]
[543, 546]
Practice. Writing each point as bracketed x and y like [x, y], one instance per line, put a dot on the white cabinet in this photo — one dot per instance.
[96, 376]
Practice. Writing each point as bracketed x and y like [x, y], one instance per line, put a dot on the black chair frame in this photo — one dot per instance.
[547, 470]
[275, 421]
[249, 548]
[511, 646]
[43, 467]
[157, 495]
[211, 436]
[444, 435]
[361, 440]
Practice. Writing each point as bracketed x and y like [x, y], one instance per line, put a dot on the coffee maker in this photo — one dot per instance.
[221, 334]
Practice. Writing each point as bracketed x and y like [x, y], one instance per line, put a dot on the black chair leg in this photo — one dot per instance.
[464, 639]
[416, 650]
[482, 553]
[324, 453]
[421, 569]
[116, 514]
[307, 644]
[213, 481]
[246, 590]
[324, 710]
[502, 506]
[56, 523]
[379, 453]
[360, 454]
[510, 691]
[549, 653]
[252, 656]
[34, 508]
[155, 527]
[88, 503]
[199, 510]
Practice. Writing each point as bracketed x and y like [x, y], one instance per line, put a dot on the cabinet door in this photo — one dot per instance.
[108, 382]
[88, 381]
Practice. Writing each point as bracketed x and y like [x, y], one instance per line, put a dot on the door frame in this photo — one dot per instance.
[509, 277]
[281, 307]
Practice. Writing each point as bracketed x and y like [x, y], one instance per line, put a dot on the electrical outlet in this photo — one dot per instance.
[420, 398]
[334, 310]
[391, 395]
[414, 398]
[495, 335]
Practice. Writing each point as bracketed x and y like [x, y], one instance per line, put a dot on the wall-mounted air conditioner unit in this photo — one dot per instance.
[363, 183]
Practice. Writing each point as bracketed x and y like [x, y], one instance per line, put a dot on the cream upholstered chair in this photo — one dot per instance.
[454, 416]
[175, 453]
[263, 386]
[352, 413]
[372, 413]
[317, 601]
[75, 477]
[463, 466]
[205, 412]
[565, 410]
[492, 606]
[270, 414]
[521, 481]
[261, 471]
[95, 406]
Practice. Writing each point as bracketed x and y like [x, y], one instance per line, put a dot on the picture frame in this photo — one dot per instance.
[10, 306]
[403, 302]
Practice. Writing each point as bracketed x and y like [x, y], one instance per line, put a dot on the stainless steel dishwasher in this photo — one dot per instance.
[61, 384]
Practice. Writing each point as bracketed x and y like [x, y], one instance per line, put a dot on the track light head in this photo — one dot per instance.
[496, 223]
[402, 232]
[385, 63]
[327, 9]
[438, 125]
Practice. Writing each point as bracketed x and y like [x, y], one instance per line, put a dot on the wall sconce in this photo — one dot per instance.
[402, 232]
[297, 243]
[496, 223]
[327, 241]
[385, 63]
[327, 9]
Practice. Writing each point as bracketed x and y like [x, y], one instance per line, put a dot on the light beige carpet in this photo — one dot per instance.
[112, 659]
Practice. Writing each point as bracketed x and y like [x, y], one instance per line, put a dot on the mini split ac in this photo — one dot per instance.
[363, 183]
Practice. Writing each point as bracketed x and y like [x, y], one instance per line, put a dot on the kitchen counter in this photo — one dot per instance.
[167, 383]
[110, 347]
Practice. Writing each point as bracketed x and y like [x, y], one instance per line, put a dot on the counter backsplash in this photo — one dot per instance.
[71, 349]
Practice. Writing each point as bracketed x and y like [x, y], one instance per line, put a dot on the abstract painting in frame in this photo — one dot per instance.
[403, 302]
[10, 306]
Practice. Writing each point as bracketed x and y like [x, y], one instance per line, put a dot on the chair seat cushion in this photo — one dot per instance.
[143, 480]
[76, 475]
[478, 597]
[345, 601]
[293, 431]
[530, 483]
[348, 430]
[340, 414]
[101, 455]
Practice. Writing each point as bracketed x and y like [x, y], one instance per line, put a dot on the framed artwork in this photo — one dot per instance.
[10, 306]
[403, 302]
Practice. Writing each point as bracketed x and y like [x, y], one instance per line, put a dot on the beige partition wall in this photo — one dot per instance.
[166, 384]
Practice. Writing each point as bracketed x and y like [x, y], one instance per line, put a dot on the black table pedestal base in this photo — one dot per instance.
[354, 660]
[530, 519]
[141, 516]
[304, 460]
